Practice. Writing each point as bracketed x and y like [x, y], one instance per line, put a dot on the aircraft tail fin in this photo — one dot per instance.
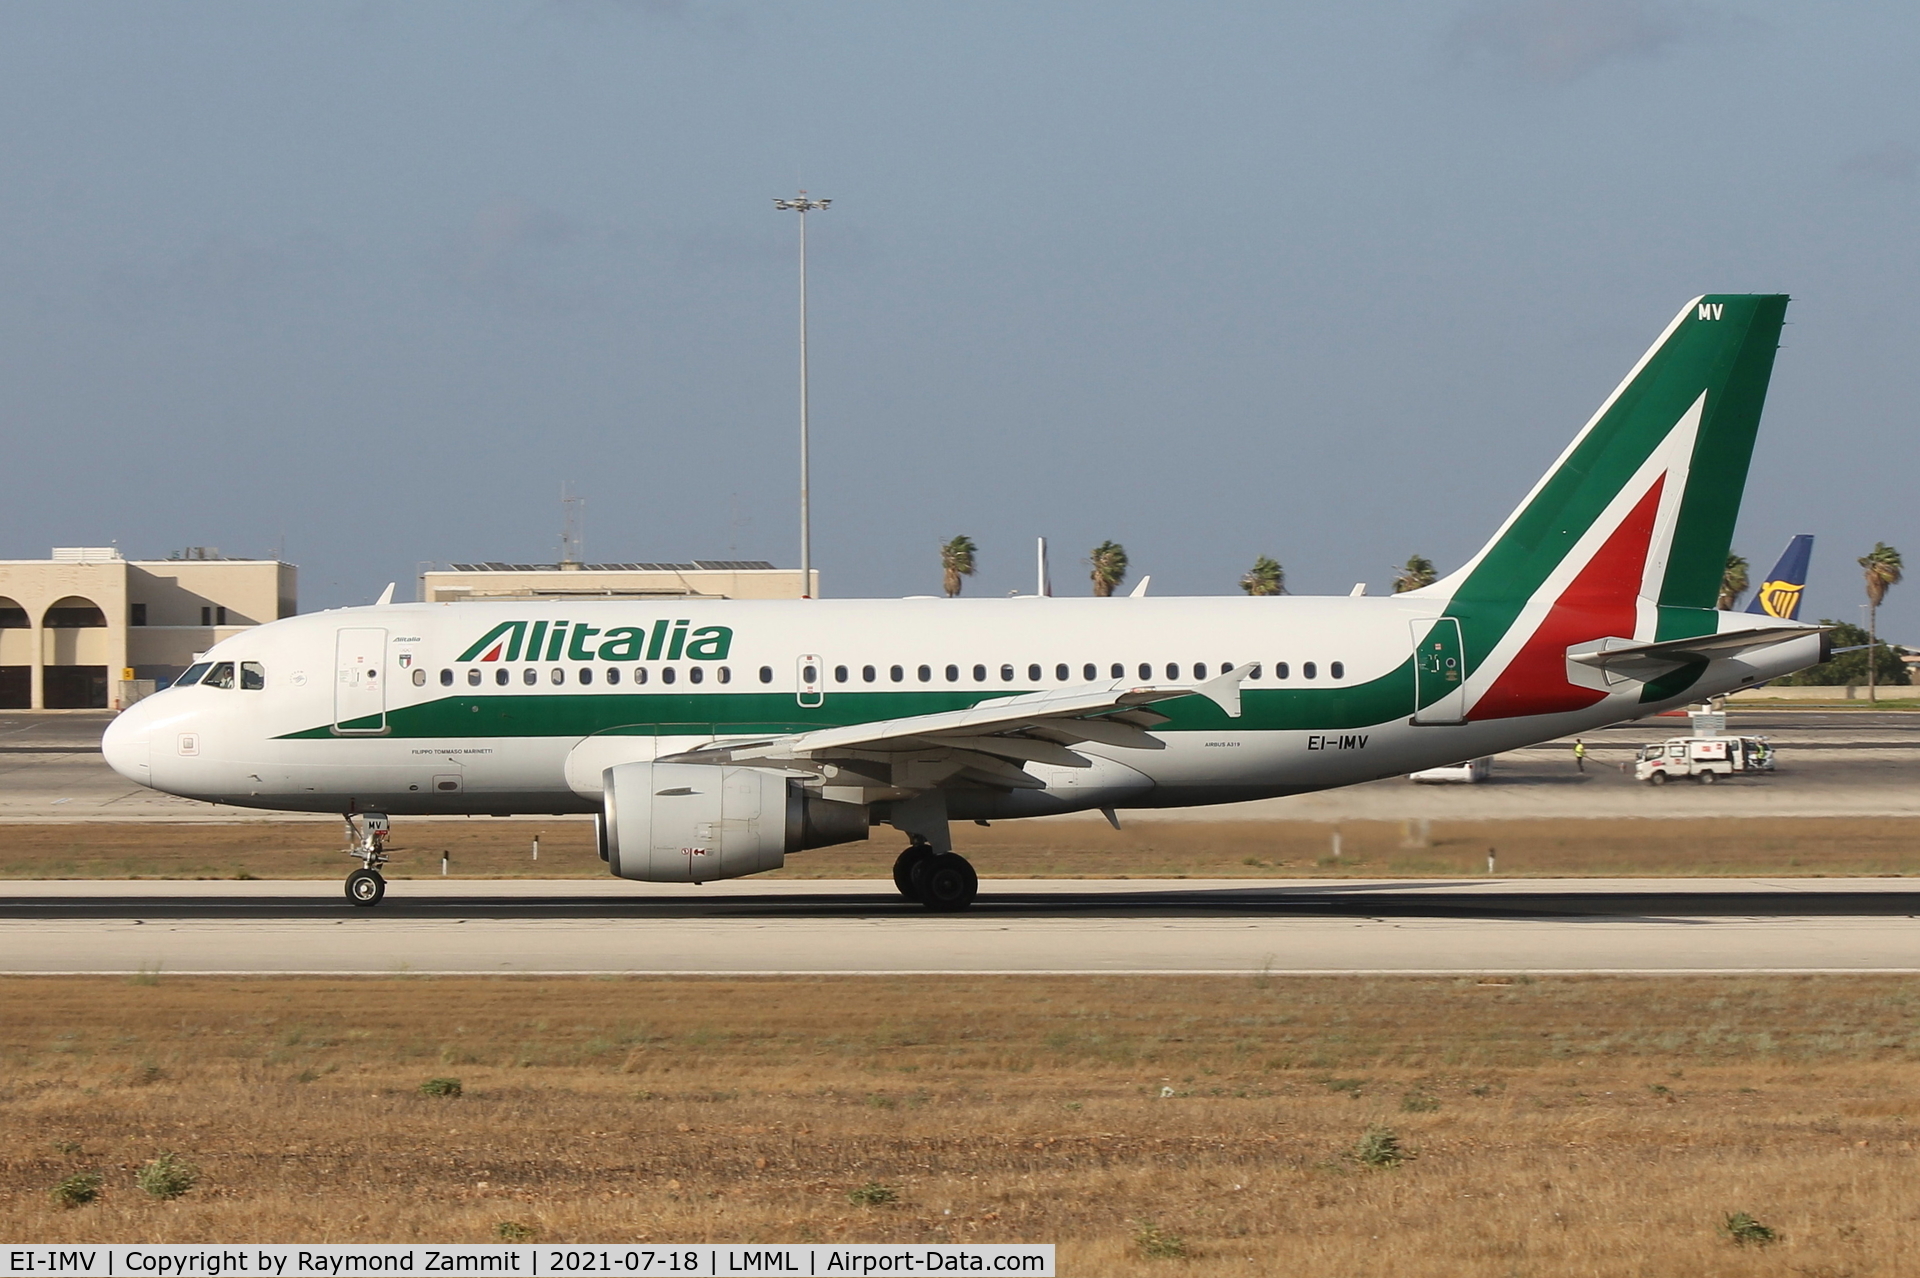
[1626, 536]
[1780, 590]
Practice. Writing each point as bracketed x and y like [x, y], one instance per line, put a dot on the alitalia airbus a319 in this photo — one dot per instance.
[713, 738]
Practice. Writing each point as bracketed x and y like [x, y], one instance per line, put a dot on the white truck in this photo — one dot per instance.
[1471, 772]
[1705, 759]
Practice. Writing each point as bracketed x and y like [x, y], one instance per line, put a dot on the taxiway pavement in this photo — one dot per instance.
[1652, 927]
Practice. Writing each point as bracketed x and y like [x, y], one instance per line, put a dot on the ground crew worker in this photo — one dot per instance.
[1579, 754]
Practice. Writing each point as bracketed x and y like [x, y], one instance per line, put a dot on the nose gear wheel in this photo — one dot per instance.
[366, 887]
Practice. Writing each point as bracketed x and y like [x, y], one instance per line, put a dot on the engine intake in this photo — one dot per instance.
[690, 823]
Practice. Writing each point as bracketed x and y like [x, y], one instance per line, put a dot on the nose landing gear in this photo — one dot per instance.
[366, 887]
[367, 834]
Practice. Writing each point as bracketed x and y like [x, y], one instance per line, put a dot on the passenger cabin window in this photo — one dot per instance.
[1146, 670]
[839, 674]
[473, 677]
[1006, 674]
[953, 674]
[1033, 674]
[1200, 670]
[1118, 671]
[446, 678]
[766, 674]
[1173, 670]
[979, 674]
[1090, 672]
[530, 676]
[639, 674]
[613, 674]
[696, 673]
[500, 676]
[808, 674]
[1308, 670]
[668, 674]
[194, 674]
[586, 674]
[253, 676]
[868, 674]
[419, 678]
[221, 676]
[1338, 669]
[897, 674]
[925, 673]
[725, 674]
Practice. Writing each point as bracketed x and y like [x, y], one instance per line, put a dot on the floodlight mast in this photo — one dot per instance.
[803, 206]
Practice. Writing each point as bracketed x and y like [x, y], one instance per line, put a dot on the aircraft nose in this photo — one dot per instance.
[125, 744]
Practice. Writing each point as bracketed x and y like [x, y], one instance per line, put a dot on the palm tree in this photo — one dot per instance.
[1733, 583]
[1418, 572]
[1267, 577]
[1882, 565]
[1109, 568]
[956, 561]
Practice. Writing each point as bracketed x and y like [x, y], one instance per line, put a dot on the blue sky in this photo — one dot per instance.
[370, 281]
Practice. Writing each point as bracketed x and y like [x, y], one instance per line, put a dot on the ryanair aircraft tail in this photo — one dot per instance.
[1627, 535]
[1780, 590]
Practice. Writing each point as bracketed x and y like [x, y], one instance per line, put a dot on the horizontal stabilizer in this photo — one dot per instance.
[1625, 659]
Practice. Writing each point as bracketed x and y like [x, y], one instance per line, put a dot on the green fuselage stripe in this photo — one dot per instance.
[578, 714]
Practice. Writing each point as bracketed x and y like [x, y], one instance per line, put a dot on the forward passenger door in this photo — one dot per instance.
[359, 684]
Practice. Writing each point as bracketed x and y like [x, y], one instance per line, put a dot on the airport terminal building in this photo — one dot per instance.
[76, 627]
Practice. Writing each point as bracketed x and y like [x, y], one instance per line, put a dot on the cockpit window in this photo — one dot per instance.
[195, 673]
[253, 676]
[221, 676]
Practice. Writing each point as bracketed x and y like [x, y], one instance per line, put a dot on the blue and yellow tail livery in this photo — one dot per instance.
[1779, 593]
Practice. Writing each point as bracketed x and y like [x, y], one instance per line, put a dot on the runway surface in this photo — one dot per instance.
[1688, 926]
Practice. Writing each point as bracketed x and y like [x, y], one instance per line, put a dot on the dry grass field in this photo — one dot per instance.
[484, 848]
[1592, 1126]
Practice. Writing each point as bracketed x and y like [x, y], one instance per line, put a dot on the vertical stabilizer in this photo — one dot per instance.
[1780, 590]
[1627, 535]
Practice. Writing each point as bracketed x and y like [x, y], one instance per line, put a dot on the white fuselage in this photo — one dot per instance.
[393, 709]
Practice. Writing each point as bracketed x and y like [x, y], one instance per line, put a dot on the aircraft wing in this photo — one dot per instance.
[1620, 658]
[988, 741]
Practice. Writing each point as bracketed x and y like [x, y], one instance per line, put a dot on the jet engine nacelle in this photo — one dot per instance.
[691, 823]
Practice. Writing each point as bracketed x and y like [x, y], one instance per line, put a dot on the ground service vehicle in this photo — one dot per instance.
[1469, 773]
[1705, 759]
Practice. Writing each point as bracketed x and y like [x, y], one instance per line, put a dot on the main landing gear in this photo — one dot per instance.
[942, 881]
[367, 834]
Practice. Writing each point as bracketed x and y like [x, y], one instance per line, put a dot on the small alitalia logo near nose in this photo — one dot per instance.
[577, 641]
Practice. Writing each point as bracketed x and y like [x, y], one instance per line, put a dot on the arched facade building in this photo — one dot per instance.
[87, 629]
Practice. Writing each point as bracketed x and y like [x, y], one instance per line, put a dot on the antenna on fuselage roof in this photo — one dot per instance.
[1140, 591]
[1044, 580]
[386, 596]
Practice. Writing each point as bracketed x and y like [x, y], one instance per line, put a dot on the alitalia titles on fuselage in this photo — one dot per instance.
[578, 641]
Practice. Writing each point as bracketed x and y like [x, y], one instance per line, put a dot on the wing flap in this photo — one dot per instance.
[992, 738]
